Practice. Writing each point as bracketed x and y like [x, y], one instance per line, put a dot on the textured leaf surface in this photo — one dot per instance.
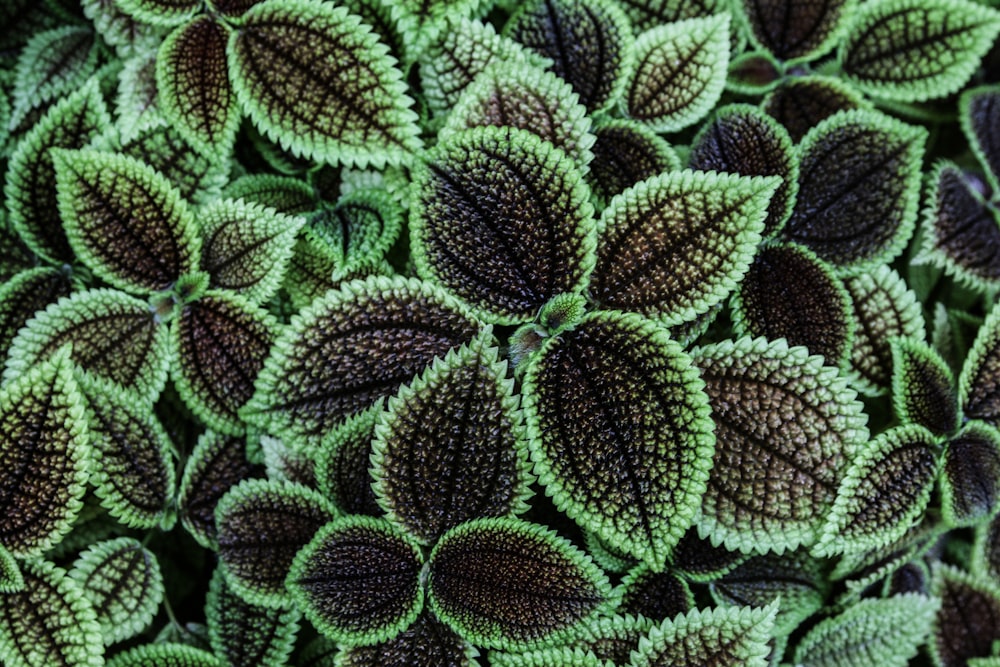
[626, 152]
[675, 245]
[985, 558]
[219, 344]
[11, 579]
[791, 293]
[358, 581]
[160, 12]
[884, 492]
[165, 655]
[679, 73]
[719, 637]
[786, 428]
[700, 561]
[317, 80]
[52, 64]
[49, 623]
[619, 431]
[589, 43]
[970, 475]
[125, 220]
[646, 14]
[194, 92]
[121, 579]
[115, 338]
[426, 643]
[502, 219]
[802, 102]
[343, 463]
[859, 186]
[43, 457]
[968, 622]
[871, 633]
[503, 583]
[118, 30]
[261, 526]
[451, 445]
[923, 387]
[980, 116]
[285, 194]
[654, 595]
[979, 381]
[350, 348]
[27, 293]
[30, 185]
[914, 50]
[796, 30]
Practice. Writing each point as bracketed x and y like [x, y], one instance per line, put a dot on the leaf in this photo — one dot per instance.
[285, 194]
[115, 338]
[11, 579]
[44, 450]
[978, 384]
[426, 642]
[801, 102]
[121, 579]
[217, 463]
[654, 595]
[794, 31]
[163, 13]
[501, 219]
[245, 634]
[261, 526]
[26, 293]
[626, 152]
[884, 307]
[883, 493]
[915, 50]
[612, 638]
[753, 73]
[700, 562]
[786, 428]
[124, 220]
[619, 431]
[723, 636]
[418, 21]
[503, 583]
[984, 560]
[343, 461]
[165, 655]
[791, 293]
[317, 80]
[962, 234]
[589, 43]
[968, 621]
[450, 446]
[680, 72]
[195, 94]
[358, 580]
[116, 28]
[522, 95]
[646, 14]
[970, 475]
[14, 255]
[673, 246]
[30, 186]
[979, 113]
[137, 104]
[555, 656]
[859, 186]
[870, 633]
[351, 347]
[49, 623]
[923, 387]
[744, 140]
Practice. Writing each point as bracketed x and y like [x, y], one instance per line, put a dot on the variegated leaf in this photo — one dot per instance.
[419, 21]
[970, 475]
[801, 102]
[984, 560]
[625, 153]
[923, 387]
[285, 194]
[136, 104]
[795, 31]
[968, 621]
[427, 642]
[654, 595]
[118, 30]
[980, 116]
[979, 381]
[699, 561]
[646, 14]
[27, 293]
[162, 13]
[343, 463]
[167, 654]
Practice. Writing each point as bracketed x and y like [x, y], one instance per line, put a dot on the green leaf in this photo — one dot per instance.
[44, 450]
[719, 637]
[11, 579]
[118, 30]
[502, 219]
[358, 580]
[14, 255]
[521, 95]
[795, 31]
[791, 293]
[680, 72]
[350, 348]
[343, 462]
[285, 194]
[970, 475]
[884, 308]
[915, 50]
[121, 579]
[26, 293]
[979, 111]
[49, 623]
[871, 633]
[163, 13]
[124, 220]
[136, 103]
[753, 73]
[30, 186]
[217, 463]
[654, 595]
[589, 43]
[786, 428]
[859, 187]
[984, 561]
[962, 233]
[261, 526]
[968, 621]
[978, 384]
[883, 493]
[52, 65]
[426, 642]
[923, 387]
[646, 14]
[612, 638]
[675, 245]
[556, 656]
[619, 431]
[115, 338]
[245, 634]
[195, 94]
[743, 140]
[801, 102]
[450, 446]
[165, 655]
[700, 562]
[503, 583]
[419, 21]
[314, 78]
[626, 152]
